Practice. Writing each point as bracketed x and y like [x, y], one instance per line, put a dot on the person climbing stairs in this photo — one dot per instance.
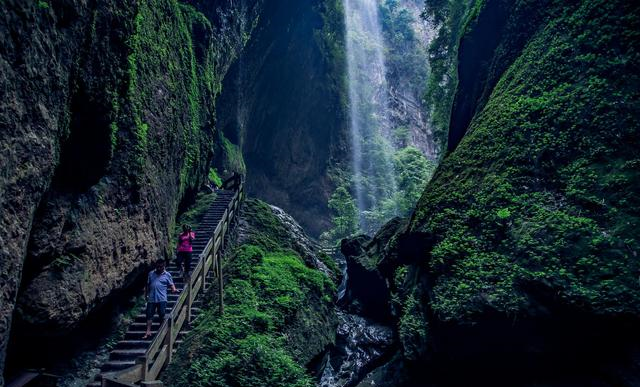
[135, 359]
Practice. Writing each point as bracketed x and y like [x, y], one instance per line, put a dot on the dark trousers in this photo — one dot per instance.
[153, 307]
[184, 260]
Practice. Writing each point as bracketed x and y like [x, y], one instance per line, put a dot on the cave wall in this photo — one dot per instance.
[107, 123]
[282, 104]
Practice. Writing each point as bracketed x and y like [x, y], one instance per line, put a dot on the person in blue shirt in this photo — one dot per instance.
[156, 292]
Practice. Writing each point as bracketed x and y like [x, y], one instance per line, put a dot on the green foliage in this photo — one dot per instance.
[214, 178]
[503, 213]
[43, 4]
[413, 171]
[64, 261]
[405, 54]
[450, 15]
[543, 188]
[246, 346]
[412, 328]
[344, 215]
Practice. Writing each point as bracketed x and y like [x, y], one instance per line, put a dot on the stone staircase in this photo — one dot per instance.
[124, 358]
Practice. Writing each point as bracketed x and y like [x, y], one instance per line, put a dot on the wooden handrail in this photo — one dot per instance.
[158, 355]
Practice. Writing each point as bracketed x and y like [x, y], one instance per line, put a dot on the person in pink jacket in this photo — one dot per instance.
[185, 249]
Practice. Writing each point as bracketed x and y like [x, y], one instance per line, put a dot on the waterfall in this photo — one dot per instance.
[372, 149]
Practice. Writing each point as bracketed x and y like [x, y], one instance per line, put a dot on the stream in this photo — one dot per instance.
[360, 344]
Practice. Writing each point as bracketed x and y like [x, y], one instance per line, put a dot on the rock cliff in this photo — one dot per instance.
[107, 119]
[281, 105]
[519, 265]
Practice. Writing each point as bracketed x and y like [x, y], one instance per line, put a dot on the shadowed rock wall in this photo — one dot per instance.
[106, 116]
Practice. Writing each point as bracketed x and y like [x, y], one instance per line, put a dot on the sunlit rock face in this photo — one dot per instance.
[387, 77]
[407, 36]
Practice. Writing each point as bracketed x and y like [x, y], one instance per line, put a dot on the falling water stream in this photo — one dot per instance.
[380, 100]
[372, 148]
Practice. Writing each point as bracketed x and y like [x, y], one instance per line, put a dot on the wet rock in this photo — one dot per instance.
[368, 272]
[307, 248]
[390, 374]
[360, 344]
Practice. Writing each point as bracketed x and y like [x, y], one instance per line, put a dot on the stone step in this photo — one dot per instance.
[132, 335]
[117, 365]
[142, 326]
[133, 344]
[142, 317]
[127, 354]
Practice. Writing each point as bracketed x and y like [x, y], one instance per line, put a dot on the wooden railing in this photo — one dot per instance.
[158, 355]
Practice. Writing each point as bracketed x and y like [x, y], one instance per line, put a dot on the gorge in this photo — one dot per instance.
[440, 192]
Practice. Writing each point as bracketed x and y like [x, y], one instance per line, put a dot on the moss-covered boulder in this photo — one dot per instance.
[542, 191]
[520, 263]
[278, 317]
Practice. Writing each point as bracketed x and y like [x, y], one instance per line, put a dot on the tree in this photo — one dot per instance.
[413, 172]
[345, 214]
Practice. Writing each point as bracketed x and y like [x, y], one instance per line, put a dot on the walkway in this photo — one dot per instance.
[134, 360]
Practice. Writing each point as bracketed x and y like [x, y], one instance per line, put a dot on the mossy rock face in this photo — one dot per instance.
[370, 264]
[523, 250]
[279, 314]
[543, 190]
[289, 142]
[110, 126]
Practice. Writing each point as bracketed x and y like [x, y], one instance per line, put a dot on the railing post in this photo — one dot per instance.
[220, 284]
[144, 362]
[204, 271]
[189, 300]
[169, 339]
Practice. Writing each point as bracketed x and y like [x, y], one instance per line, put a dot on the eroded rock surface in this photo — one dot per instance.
[107, 123]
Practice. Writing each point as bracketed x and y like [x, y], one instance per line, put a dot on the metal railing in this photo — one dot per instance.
[158, 355]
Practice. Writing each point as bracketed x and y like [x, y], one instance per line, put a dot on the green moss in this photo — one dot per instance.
[163, 65]
[412, 329]
[543, 188]
[214, 177]
[331, 264]
[278, 315]
[451, 16]
[234, 161]
[43, 4]
[267, 231]
[246, 346]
